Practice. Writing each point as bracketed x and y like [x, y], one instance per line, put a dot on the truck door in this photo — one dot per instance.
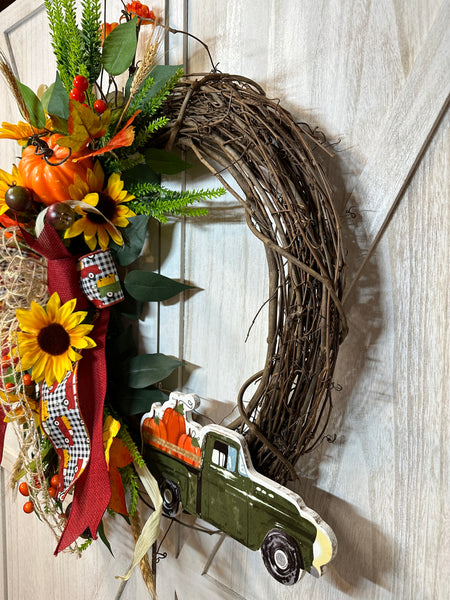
[224, 500]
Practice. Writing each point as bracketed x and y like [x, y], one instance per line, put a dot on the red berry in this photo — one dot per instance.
[54, 481]
[80, 83]
[27, 379]
[100, 106]
[76, 94]
[9, 386]
[28, 507]
[52, 492]
[23, 489]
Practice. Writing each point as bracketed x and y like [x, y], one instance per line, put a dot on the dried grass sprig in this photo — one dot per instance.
[145, 66]
[11, 80]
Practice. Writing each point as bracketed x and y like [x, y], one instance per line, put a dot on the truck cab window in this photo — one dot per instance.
[224, 456]
[220, 454]
[241, 465]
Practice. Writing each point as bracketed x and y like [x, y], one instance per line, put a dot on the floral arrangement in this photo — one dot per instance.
[74, 212]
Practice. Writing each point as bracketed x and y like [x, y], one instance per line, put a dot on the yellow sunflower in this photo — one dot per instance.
[6, 181]
[109, 201]
[49, 338]
[22, 131]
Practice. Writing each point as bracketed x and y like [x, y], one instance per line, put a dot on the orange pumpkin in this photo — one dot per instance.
[186, 442]
[50, 183]
[156, 427]
[175, 423]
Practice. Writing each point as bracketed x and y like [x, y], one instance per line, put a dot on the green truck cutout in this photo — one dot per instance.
[207, 471]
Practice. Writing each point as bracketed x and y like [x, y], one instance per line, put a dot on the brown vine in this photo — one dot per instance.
[230, 124]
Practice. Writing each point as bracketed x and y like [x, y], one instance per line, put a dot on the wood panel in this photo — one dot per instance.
[383, 485]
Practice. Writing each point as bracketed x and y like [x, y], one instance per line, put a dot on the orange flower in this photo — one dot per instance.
[106, 30]
[137, 9]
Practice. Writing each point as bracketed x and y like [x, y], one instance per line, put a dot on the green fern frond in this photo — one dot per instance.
[75, 51]
[130, 161]
[149, 103]
[139, 100]
[131, 481]
[90, 37]
[158, 202]
[60, 41]
[66, 40]
[85, 545]
[125, 437]
[146, 133]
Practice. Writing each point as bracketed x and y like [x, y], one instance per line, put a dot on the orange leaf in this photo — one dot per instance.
[124, 137]
[84, 126]
[119, 456]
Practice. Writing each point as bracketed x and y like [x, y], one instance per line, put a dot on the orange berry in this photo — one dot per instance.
[27, 379]
[28, 507]
[52, 492]
[23, 489]
[54, 481]
[9, 386]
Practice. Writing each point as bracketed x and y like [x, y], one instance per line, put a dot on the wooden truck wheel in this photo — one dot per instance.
[281, 556]
[171, 497]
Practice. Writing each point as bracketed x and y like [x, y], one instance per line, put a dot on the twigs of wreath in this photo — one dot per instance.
[230, 125]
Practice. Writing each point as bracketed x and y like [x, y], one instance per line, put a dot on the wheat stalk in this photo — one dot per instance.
[145, 66]
[11, 80]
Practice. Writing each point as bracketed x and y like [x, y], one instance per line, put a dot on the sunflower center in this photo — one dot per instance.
[53, 339]
[106, 206]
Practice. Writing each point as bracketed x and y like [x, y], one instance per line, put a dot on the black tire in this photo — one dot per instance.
[282, 557]
[171, 498]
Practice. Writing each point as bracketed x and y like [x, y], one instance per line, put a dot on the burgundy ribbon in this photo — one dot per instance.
[92, 491]
[2, 433]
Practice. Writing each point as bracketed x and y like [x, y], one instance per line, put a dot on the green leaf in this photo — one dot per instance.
[33, 104]
[140, 174]
[148, 369]
[58, 104]
[152, 287]
[130, 307]
[122, 346]
[102, 536]
[141, 400]
[119, 48]
[161, 76]
[45, 98]
[162, 161]
[134, 238]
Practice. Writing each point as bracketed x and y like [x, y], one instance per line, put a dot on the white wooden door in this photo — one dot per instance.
[374, 75]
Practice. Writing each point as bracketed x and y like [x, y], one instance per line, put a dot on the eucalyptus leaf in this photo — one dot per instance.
[119, 48]
[58, 104]
[34, 106]
[140, 174]
[130, 307]
[134, 238]
[45, 98]
[162, 161]
[148, 369]
[152, 287]
[161, 76]
[102, 536]
[141, 400]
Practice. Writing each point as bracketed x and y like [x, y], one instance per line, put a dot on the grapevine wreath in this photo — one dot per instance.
[74, 213]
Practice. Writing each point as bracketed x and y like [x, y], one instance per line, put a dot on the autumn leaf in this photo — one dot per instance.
[84, 126]
[119, 457]
[124, 137]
